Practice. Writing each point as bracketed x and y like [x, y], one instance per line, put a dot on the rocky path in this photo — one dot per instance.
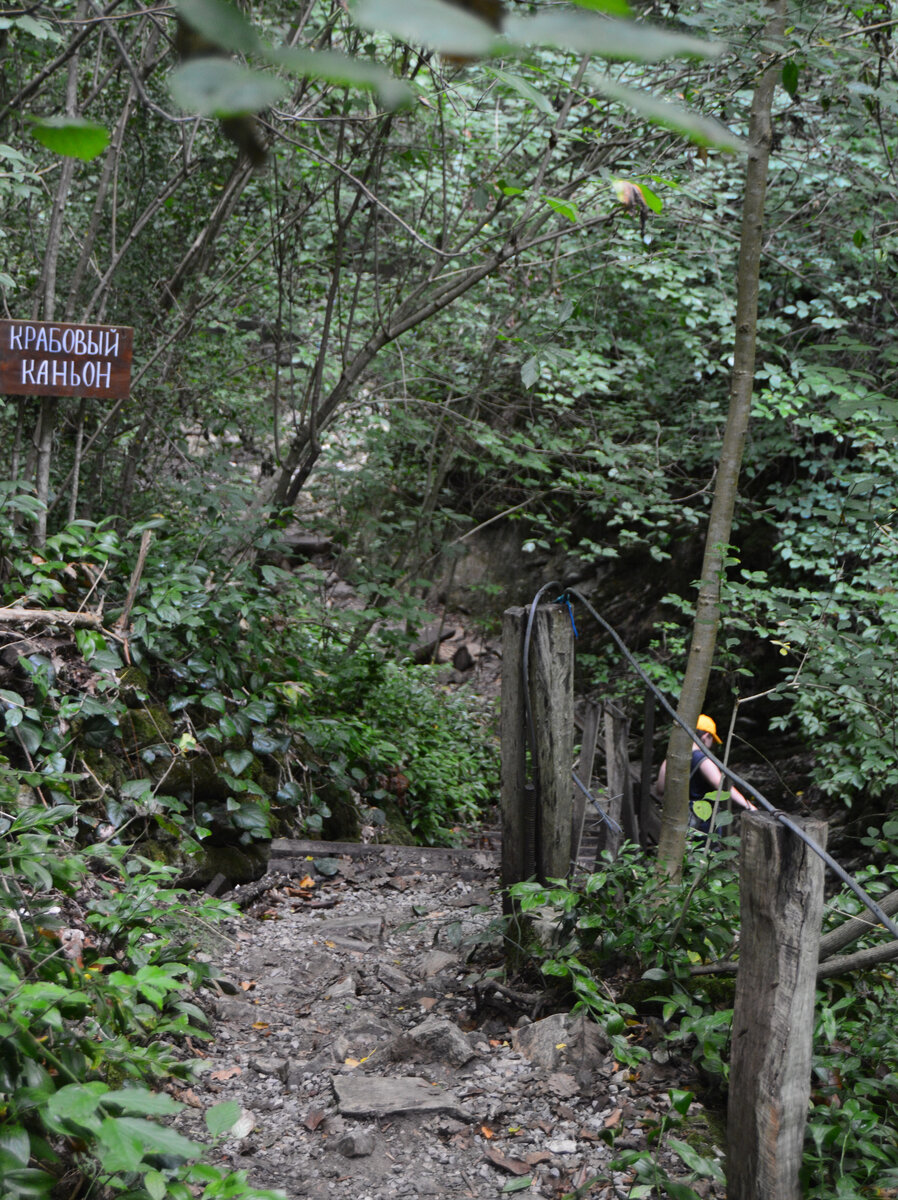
[359, 1027]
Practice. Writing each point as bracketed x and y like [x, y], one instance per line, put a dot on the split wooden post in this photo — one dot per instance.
[518, 848]
[583, 770]
[770, 1073]
[551, 679]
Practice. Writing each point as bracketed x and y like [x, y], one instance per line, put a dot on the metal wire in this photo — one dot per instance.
[743, 784]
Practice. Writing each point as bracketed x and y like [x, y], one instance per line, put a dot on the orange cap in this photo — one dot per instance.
[706, 724]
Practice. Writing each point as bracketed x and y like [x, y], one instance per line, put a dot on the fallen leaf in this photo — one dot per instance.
[307, 882]
[535, 1157]
[514, 1166]
[188, 1096]
[518, 1185]
[614, 1119]
[313, 1119]
[351, 1062]
[261, 1025]
[226, 1073]
[248, 984]
[487, 1132]
[427, 1002]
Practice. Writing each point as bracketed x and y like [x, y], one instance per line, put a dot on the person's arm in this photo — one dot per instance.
[662, 775]
[714, 776]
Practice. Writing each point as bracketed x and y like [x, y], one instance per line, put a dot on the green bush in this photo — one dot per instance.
[92, 1016]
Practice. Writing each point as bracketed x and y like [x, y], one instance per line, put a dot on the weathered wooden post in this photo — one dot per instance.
[583, 770]
[518, 846]
[551, 678]
[773, 1019]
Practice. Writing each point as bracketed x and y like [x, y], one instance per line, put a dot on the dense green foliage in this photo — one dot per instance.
[616, 922]
[427, 314]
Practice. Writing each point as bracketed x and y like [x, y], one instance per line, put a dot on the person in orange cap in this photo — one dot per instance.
[704, 777]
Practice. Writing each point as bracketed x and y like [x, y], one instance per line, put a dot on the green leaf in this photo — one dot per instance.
[606, 37]
[155, 1184]
[695, 1161]
[343, 71]
[159, 1139]
[433, 23]
[75, 1103]
[30, 736]
[139, 1101]
[790, 76]
[704, 131]
[16, 1144]
[703, 809]
[120, 1147]
[214, 700]
[238, 760]
[523, 88]
[518, 1185]
[654, 202]
[564, 207]
[222, 1117]
[137, 789]
[73, 137]
[680, 1100]
[220, 23]
[216, 87]
[618, 8]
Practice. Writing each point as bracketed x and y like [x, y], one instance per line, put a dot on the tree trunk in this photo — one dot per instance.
[675, 815]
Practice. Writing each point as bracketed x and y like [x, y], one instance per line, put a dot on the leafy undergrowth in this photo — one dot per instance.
[236, 708]
[97, 973]
[625, 949]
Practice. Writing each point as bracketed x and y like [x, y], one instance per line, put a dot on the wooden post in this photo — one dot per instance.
[551, 677]
[518, 853]
[770, 1074]
[646, 804]
[620, 786]
[584, 769]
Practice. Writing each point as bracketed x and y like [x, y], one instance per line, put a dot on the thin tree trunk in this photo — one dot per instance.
[675, 814]
[46, 301]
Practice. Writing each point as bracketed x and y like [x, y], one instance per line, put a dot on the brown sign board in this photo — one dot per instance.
[49, 358]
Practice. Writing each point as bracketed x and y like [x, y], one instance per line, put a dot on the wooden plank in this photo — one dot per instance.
[517, 833]
[773, 1019]
[551, 678]
[584, 769]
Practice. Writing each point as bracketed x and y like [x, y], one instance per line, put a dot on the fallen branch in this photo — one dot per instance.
[49, 616]
[851, 930]
[861, 959]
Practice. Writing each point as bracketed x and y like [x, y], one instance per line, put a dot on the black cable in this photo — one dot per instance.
[780, 816]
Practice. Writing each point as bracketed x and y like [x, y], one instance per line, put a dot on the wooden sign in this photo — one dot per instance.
[43, 358]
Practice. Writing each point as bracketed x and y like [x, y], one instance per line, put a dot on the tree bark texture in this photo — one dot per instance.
[675, 814]
[773, 1018]
[551, 681]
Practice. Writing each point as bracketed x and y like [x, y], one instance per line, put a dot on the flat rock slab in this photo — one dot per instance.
[378, 1096]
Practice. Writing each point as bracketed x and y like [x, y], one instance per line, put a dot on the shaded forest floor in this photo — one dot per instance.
[361, 1026]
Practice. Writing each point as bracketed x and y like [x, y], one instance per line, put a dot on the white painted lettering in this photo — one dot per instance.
[30, 331]
[60, 372]
[104, 375]
[28, 371]
[40, 342]
[55, 345]
[68, 341]
[15, 338]
[92, 349]
[111, 350]
[89, 374]
[42, 378]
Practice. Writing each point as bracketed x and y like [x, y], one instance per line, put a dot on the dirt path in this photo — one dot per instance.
[358, 1028]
